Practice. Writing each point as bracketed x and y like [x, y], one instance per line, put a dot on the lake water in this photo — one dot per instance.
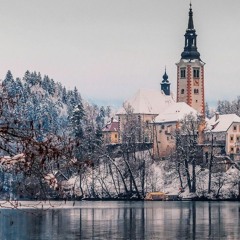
[121, 220]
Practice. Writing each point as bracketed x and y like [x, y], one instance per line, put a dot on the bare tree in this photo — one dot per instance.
[188, 151]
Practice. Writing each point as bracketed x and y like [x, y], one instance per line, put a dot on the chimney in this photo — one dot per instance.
[216, 116]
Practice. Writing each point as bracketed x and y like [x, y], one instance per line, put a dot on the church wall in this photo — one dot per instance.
[164, 140]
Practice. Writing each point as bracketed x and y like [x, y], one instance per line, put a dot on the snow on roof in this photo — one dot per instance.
[223, 122]
[111, 126]
[175, 112]
[147, 101]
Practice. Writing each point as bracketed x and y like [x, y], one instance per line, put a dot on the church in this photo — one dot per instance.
[189, 97]
[158, 112]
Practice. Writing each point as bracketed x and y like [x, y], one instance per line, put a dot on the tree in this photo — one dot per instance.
[188, 152]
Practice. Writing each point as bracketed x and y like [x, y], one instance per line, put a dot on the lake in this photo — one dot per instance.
[120, 220]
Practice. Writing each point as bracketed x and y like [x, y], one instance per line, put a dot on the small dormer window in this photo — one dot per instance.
[234, 128]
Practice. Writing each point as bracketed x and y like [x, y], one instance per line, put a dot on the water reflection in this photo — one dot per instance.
[125, 220]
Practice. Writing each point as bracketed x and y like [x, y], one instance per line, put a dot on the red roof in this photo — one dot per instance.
[111, 127]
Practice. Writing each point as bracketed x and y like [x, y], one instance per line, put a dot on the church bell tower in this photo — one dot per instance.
[165, 85]
[190, 71]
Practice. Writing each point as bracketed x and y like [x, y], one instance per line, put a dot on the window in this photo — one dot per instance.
[169, 128]
[182, 91]
[162, 126]
[115, 135]
[231, 149]
[196, 72]
[234, 128]
[231, 138]
[196, 91]
[183, 73]
[237, 150]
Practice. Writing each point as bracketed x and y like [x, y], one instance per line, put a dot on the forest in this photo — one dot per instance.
[52, 148]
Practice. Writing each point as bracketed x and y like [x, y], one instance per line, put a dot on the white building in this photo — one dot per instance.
[144, 107]
[165, 125]
[225, 130]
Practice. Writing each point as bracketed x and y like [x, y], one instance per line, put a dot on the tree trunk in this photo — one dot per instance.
[210, 169]
[132, 177]
[143, 178]
[80, 183]
[188, 175]
[179, 175]
[114, 183]
[193, 190]
[120, 173]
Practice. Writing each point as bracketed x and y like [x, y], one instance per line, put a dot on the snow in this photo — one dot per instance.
[175, 112]
[223, 122]
[10, 161]
[147, 101]
[51, 180]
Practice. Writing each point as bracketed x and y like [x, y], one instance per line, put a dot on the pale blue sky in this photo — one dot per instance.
[111, 48]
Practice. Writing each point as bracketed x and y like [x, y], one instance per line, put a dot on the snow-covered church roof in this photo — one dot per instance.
[221, 123]
[176, 112]
[147, 101]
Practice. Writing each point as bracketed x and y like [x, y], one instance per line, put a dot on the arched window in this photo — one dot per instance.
[182, 91]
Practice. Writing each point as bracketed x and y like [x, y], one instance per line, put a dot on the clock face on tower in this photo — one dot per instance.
[196, 82]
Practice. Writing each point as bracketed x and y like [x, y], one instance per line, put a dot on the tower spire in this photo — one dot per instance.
[190, 20]
[165, 85]
[190, 49]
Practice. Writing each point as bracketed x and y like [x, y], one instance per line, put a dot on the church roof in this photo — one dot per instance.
[165, 78]
[190, 49]
[223, 122]
[148, 102]
[176, 112]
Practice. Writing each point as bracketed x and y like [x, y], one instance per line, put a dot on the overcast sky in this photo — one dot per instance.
[109, 49]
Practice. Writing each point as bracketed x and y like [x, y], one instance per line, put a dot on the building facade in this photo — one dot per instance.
[224, 131]
[165, 126]
[138, 112]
